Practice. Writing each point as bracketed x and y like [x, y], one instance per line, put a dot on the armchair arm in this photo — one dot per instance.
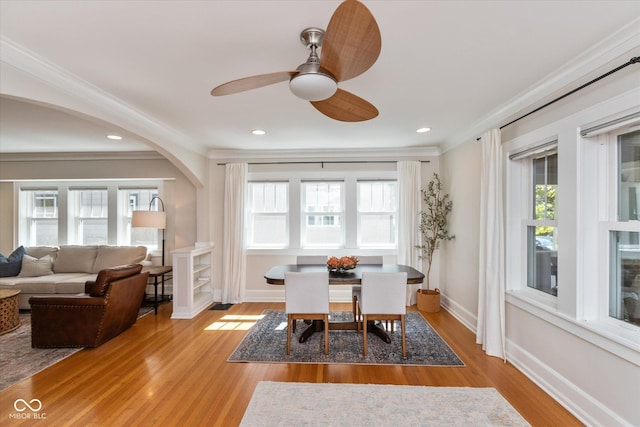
[88, 285]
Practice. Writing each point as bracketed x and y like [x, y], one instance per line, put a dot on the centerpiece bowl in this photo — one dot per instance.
[342, 264]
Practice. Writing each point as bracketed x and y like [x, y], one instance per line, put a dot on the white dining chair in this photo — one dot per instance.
[306, 297]
[383, 298]
[355, 289]
[311, 259]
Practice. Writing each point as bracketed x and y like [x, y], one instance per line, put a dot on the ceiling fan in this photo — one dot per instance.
[350, 46]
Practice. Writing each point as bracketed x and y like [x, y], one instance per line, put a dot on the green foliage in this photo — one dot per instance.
[545, 206]
[434, 222]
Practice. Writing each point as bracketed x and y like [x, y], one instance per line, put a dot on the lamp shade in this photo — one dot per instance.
[149, 219]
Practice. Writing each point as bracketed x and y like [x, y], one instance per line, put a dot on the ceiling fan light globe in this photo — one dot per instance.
[313, 87]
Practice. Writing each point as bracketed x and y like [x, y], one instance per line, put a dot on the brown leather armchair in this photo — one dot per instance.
[109, 307]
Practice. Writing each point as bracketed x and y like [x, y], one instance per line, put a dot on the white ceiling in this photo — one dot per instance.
[448, 65]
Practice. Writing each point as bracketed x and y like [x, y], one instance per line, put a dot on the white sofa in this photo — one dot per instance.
[48, 271]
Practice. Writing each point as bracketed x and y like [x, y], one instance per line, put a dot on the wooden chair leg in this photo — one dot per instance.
[404, 338]
[288, 334]
[364, 334]
[356, 315]
[326, 334]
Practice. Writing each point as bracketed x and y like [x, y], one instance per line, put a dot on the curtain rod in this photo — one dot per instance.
[634, 60]
[323, 162]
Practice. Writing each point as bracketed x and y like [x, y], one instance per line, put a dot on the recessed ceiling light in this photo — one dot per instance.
[258, 132]
[423, 130]
[114, 137]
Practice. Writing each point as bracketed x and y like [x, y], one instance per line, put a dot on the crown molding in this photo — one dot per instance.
[611, 48]
[388, 154]
[80, 156]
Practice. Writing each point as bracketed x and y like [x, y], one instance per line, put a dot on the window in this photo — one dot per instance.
[377, 207]
[85, 213]
[88, 214]
[268, 215]
[624, 233]
[134, 199]
[39, 217]
[541, 229]
[322, 214]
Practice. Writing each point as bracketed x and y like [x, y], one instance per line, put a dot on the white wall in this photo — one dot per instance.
[461, 178]
[590, 373]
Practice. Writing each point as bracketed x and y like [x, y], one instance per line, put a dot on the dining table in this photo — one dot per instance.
[275, 276]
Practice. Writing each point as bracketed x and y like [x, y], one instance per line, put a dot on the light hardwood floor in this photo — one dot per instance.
[165, 372]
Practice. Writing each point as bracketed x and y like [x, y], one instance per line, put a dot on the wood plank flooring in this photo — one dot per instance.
[165, 372]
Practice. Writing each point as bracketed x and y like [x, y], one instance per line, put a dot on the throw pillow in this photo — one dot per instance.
[10, 266]
[75, 259]
[35, 267]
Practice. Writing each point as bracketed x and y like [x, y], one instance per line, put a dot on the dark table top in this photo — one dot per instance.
[275, 275]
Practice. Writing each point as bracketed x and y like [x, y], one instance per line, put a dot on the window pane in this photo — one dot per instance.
[38, 217]
[268, 230]
[268, 214]
[323, 230]
[542, 259]
[88, 214]
[135, 200]
[377, 230]
[322, 220]
[45, 232]
[545, 185]
[629, 176]
[624, 280]
[322, 197]
[377, 196]
[94, 231]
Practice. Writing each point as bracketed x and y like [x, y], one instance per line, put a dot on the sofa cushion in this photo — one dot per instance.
[42, 251]
[73, 285]
[10, 266]
[43, 284]
[75, 259]
[34, 267]
[112, 256]
[109, 275]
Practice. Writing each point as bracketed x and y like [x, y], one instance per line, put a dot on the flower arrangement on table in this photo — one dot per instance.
[342, 264]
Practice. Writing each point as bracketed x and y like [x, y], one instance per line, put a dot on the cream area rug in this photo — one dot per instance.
[304, 404]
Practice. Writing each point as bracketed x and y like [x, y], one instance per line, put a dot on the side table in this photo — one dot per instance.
[158, 273]
[9, 311]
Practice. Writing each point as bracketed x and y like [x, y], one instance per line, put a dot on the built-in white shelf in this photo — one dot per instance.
[192, 280]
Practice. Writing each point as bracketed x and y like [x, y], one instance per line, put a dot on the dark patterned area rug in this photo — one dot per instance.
[266, 342]
[18, 360]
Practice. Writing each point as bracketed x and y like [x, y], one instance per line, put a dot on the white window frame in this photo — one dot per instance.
[27, 219]
[519, 185]
[393, 213]
[286, 214]
[295, 177]
[65, 218]
[305, 214]
[608, 222]
[581, 167]
[77, 220]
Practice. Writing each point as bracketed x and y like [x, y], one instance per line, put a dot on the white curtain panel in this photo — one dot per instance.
[233, 243]
[408, 219]
[491, 319]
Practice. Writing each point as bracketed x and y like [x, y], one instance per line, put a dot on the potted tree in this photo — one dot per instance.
[434, 229]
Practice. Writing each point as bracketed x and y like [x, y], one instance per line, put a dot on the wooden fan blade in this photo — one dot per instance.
[352, 41]
[346, 107]
[252, 82]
